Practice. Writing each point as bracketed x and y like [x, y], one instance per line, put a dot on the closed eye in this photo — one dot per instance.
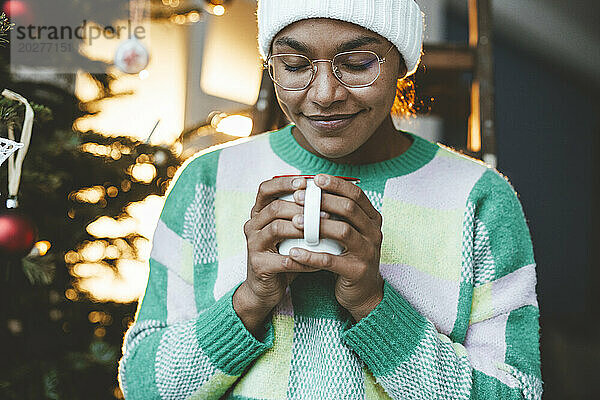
[358, 66]
[293, 68]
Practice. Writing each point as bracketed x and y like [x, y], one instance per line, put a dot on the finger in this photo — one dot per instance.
[323, 261]
[348, 210]
[274, 233]
[273, 189]
[344, 233]
[299, 199]
[295, 267]
[342, 187]
[277, 209]
[341, 231]
[265, 263]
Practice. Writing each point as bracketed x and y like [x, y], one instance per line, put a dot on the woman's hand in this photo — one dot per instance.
[359, 286]
[268, 272]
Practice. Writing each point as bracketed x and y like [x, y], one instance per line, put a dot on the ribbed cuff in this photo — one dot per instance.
[225, 339]
[389, 335]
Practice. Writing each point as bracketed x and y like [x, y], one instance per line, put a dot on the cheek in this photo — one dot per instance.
[289, 103]
[380, 96]
[287, 100]
[388, 93]
[379, 101]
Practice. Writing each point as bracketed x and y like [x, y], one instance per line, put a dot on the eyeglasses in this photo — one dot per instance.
[353, 69]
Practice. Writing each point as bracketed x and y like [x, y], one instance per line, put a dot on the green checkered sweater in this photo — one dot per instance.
[459, 317]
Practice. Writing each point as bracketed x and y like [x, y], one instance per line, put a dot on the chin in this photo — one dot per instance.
[332, 151]
[332, 144]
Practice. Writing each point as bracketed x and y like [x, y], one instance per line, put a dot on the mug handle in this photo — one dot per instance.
[312, 213]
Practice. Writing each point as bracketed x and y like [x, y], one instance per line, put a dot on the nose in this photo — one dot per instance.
[325, 89]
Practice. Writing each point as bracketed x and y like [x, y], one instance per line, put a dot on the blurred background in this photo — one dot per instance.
[117, 111]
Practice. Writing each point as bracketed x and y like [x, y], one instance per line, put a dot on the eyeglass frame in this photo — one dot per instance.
[380, 60]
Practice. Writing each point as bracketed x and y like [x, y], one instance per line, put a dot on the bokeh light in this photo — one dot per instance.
[115, 266]
[144, 74]
[142, 172]
[42, 247]
[219, 10]
[88, 195]
[235, 125]
[123, 284]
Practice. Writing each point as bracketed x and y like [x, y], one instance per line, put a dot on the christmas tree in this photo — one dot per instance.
[58, 341]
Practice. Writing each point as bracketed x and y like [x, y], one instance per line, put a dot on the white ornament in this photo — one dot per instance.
[7, 147]
[131, 56]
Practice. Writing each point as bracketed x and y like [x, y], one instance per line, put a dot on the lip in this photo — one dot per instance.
[331, 122]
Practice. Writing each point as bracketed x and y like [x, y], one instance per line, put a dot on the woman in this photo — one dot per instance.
[434, 296]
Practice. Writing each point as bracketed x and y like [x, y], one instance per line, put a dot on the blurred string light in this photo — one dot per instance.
[93, 194]
[90, 195]
[115, 150]
[112, 191]
[15, 326]
[141, 217]
[190, 17]
[102, 282]
[112, 228]
[193, 16]
[87, 89]
[111, 268]
[93, 251]
[177, 19]
[143, 74]
[233, 125]
[142, 172]
[219, 10]
[100, 317]
[71, 294]
[41, 248]
[216, 7]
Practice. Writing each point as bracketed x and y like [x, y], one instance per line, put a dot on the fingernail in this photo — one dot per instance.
[294, 252]
[296, 183]
[322, 180]
[324, 214]
[299, 195]
[299, 219]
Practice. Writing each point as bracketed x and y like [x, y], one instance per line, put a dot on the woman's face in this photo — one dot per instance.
[354, 114]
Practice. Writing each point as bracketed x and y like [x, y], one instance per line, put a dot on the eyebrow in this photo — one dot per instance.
[305, 48]
[358, 42]
[293, 43]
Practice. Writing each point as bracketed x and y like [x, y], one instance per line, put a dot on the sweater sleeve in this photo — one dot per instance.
[184, 343]
[499, 356]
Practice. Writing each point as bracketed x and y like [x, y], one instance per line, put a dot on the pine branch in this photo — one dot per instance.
[5, 26]
[39, 270]
[12, 112]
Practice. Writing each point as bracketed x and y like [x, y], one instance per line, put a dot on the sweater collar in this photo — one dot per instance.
[287, 148]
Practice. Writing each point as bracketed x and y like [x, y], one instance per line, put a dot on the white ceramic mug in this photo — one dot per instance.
[312, 222]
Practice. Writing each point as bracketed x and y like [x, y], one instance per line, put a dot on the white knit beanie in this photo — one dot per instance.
[399, 21]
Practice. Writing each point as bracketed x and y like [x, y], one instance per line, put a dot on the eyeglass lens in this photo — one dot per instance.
[295, 71]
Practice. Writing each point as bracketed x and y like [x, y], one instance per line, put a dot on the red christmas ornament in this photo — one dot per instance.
[19, 12]
[15, 8]
[17, 234]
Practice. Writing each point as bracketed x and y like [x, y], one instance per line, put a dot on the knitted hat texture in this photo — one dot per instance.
[399, 21]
